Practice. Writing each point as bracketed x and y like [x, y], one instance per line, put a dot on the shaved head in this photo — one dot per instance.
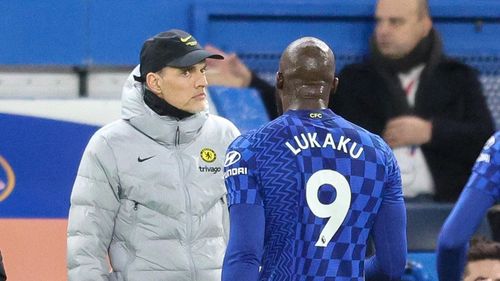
[305, 55]
[306, 75]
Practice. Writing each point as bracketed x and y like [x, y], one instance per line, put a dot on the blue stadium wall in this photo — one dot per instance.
[91, 32]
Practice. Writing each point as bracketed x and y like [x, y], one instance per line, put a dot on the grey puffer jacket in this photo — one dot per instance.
[150, 193]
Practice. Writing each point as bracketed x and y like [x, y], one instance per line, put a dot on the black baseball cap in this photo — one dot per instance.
[175, 48]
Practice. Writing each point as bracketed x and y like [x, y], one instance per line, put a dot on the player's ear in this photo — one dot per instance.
[335, 84]
[279, 102]
[279, 80]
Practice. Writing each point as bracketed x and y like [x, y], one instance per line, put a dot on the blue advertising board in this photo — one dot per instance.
[39, 159]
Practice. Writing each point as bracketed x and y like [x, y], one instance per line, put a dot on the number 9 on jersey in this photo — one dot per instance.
[335, 211]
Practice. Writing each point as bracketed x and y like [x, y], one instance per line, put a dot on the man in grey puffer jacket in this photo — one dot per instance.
[149, 194]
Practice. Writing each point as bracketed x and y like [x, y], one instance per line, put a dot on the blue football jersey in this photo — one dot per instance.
[486, 171]
[321, 181]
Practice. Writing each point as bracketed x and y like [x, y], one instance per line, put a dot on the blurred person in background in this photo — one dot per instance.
[481, 192]
[494, 222]
[307, 189]
[149, 198]
[428, 107]
[232, 72]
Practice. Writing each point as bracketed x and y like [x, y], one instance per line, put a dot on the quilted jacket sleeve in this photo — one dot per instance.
[94, 204]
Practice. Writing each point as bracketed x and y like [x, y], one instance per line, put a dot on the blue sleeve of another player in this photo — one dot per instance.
[480, 193]
[389, 230]
[458, 229]
[246, 242]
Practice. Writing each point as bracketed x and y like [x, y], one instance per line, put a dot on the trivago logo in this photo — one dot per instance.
[7, 179]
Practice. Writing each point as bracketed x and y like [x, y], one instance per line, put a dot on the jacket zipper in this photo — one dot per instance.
[177, 136]
[189, 218]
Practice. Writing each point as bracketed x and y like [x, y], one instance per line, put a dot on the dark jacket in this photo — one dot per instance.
[449, 94]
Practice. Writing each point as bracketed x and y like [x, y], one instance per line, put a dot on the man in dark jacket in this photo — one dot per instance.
[427, 107]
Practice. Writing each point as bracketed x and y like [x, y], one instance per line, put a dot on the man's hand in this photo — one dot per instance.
[407, 130]
[230, 71]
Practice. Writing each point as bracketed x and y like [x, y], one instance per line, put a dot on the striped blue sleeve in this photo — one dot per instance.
[240, 173]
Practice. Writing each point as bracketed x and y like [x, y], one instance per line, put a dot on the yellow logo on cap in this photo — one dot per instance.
[186, 39]
[208, 155]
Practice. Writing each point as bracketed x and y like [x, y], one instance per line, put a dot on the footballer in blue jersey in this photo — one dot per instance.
[307, 189]
[480, 193]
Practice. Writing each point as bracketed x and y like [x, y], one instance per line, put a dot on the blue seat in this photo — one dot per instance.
[243, 106]
[424, 224]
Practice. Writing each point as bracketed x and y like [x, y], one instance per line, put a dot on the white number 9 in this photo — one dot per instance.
[337, 210]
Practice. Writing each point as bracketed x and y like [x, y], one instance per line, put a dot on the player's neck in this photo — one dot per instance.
[307, 105]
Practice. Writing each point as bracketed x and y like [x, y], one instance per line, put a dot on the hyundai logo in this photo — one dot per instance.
[231, 158]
